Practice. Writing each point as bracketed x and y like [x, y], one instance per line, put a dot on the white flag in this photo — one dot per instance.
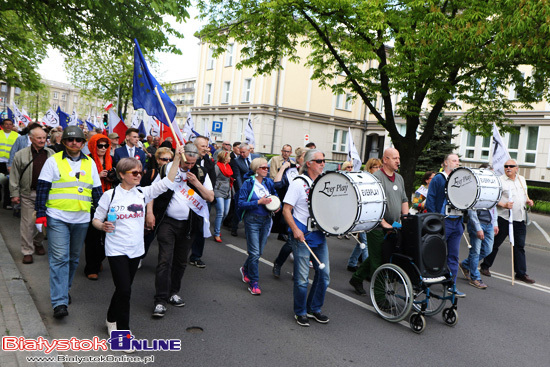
[500, 153]
[249, 132]
[153, 126]
[353, 155]
[135, 121]
[51, 118]
[97, 122]
[17, 114]
[73, 119]
[178, 131]
[25, 117]
[188, 128]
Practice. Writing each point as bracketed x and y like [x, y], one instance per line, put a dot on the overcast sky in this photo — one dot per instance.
[172, 67]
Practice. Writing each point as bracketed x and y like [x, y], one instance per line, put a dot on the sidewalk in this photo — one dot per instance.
[18, 313]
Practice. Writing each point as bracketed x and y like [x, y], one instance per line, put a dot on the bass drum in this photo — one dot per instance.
[471, 188]
[344, 202]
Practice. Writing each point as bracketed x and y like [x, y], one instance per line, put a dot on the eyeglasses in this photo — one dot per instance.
[166, 159]
[71, 140]
[263, 167]
[103, 146]
[135, 173]
[510, 166]
[286, 151]
[318, 161]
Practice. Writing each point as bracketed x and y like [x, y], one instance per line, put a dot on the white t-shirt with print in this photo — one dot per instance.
[297, 196]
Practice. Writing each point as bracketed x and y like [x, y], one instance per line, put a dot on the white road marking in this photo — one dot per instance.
[542, 231]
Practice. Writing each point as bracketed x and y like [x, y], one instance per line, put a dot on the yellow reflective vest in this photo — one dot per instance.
[6, 143]
[70, 193]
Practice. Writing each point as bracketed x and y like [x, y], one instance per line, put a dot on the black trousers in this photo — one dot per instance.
[174, 248]
[123, 270]
[94, 250]
[6, 189]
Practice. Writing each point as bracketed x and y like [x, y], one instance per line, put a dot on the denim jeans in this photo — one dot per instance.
[314, 302]
[65, 241]
[257, 228]
[480, 248]
[357, 251]
[222, 208]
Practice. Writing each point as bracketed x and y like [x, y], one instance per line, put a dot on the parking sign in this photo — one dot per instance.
[217, 126]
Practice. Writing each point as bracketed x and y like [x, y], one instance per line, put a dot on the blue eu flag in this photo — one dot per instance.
[63, 118]
[144, 91]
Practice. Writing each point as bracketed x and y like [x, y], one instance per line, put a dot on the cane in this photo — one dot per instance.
[321, 265]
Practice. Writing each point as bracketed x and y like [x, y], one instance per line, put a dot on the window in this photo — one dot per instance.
[485, 146]
[63, 97]
[515, 90]
[205, 128]
[380, 104]
[249, 49]
[339, 141]
[207, 93]
[55, 95]
[54, 107]
[4, 88]
[17, 90]
[229, 55]
[347, 104]
[531, 144]
[247, 88]
[470, 146]
[240, 129]
[513, 143]
[226, 96]
[75, 99]
[343, 101]
[340, 101]
[210, 60]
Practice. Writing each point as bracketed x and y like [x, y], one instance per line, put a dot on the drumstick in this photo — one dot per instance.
[361, 244]
[321, 265]
[466, 238]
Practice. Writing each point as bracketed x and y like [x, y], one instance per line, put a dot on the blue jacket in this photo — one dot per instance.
[436, 194]
[248, 185]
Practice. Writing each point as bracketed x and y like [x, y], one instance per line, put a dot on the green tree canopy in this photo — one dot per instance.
[427, 52]
[77, 27]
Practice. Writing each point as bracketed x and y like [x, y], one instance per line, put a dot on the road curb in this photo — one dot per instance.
[26, 311]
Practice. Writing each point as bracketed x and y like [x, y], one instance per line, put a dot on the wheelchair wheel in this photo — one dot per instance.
[436, 302]
[417, 323]
[391, 292]
[450, 316]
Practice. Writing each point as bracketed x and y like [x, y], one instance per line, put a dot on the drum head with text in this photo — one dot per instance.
[461, 188]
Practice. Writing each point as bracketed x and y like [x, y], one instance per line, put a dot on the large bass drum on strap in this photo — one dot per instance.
[344, 202]
[470, 188]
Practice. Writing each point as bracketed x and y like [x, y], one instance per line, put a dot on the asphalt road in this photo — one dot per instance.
[504, 325]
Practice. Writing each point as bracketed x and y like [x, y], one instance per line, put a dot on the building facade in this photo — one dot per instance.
[182, 93]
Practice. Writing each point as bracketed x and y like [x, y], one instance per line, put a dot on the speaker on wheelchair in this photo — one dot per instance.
[423, 239]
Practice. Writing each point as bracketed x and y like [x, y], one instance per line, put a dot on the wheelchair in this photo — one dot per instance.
[400, 289]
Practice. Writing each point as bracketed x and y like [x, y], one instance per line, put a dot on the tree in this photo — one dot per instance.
[36, 103]
[427, 52]
[439, 146]
[76, 27]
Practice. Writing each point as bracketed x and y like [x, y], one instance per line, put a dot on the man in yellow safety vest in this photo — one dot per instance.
[67, 187]
[7, 139]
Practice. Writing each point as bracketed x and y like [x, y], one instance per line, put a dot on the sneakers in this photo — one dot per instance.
[111, 326]
[244, 275]
[358, 287]
[176, 300]
[302, 320]
[276, 271]
[60, 312]
[159, 310]
[465, 272]
[254, 289]
[458, 294]
[198, 263]
[317, 316]
[485, 272]
[478, 284]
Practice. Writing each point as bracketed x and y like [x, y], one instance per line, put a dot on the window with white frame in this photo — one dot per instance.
[63, 97]
[470, 146]
[339, 141]
[247, 90]
[226, 94]
[55, 95]
[207, 93]
[229, 54]
[513, 92]
[240, 128]
[485, 146]
[340, 101]
[380, 104]
[210, 61]
[205, 127]
[347, 103]
[531, 145]
[75, 99]
[513, 143]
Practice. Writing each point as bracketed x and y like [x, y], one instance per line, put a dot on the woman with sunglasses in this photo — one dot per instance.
[124, 242]
[99, 146]
[222, 190]
[251, 205]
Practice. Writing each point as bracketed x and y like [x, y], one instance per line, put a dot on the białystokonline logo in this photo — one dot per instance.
[124, 340]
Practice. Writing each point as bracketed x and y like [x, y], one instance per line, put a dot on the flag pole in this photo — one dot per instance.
[170, 122]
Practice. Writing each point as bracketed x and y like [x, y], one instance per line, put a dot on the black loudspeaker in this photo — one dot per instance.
[423, 239]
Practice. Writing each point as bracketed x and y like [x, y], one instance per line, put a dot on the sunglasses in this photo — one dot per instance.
[103, 146]
[509, 166]
[71, 140]
[166, 159]
[135, 173]
[318, 161]
[263, 167]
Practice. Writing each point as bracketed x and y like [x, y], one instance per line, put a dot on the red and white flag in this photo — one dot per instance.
[116, 125]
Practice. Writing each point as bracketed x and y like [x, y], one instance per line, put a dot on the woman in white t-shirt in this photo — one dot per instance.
[124, 240]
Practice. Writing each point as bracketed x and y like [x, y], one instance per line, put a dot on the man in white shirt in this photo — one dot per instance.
[512, 203]
[175, 213]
